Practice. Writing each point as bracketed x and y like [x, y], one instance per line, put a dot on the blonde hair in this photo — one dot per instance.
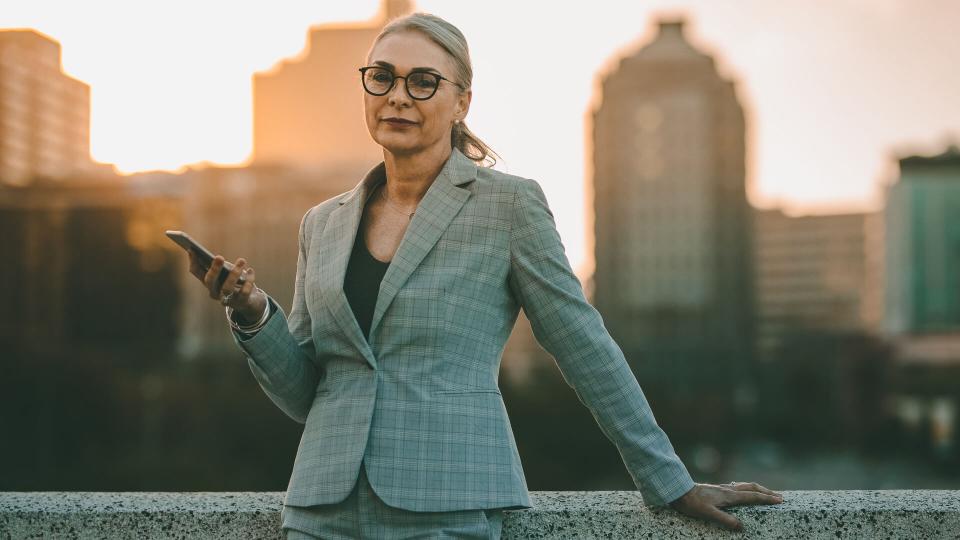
[450, 39]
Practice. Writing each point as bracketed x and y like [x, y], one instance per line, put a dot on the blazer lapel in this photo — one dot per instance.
[442, 201]
[336, 244]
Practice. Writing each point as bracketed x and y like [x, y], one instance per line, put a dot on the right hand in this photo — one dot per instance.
[704, 501]
[249, 300]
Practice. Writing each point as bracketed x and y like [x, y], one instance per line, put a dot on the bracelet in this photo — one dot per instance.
[249, 329]
[255, 327]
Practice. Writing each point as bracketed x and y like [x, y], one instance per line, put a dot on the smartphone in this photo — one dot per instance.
[204, 256]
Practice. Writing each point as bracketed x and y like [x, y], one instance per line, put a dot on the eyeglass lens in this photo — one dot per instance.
[420, 84]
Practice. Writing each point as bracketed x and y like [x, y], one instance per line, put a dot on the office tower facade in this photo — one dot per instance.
[814, 273]
[44, 113]
[923, 246]
[673, 275]
[309, 110]
[922, 295]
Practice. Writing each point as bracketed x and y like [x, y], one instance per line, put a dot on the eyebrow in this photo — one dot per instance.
[391, 67]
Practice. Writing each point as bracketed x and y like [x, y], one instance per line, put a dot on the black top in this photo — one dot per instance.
[361, 285]
[362, 282]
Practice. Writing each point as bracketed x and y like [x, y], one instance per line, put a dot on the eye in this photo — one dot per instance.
[380, 75]
[423, 80]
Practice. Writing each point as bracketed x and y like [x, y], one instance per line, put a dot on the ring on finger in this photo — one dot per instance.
[226, 298]
[243, 277]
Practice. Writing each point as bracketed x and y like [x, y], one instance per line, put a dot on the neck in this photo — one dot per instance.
[409, 176]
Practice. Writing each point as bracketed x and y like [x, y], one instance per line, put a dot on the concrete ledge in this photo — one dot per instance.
[556, 514]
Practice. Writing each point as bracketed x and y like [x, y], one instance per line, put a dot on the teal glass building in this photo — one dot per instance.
[922, 291]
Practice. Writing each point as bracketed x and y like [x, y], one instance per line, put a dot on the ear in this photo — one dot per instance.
[463, 104]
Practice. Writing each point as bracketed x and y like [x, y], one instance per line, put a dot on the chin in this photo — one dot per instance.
[398, 147]
[400, 144]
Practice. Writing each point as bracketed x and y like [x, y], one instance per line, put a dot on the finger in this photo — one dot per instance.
[739, 498]
[727, 520]
[241, 280]
[753, 486]
[248, 285]
[210, 279]
[241, 297]
[761, 489]
[230, 284]
[241, 287]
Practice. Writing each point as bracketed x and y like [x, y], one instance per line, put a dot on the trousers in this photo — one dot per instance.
[363, 515]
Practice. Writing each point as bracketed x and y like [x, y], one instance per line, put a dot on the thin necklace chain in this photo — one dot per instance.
[383, 192]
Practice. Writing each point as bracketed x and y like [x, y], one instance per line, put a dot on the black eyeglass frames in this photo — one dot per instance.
[420, 85]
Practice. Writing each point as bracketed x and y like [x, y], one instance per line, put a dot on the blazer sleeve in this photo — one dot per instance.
[572, 331]
[281, 355]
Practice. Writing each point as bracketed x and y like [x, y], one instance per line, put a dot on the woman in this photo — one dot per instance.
[407, 288]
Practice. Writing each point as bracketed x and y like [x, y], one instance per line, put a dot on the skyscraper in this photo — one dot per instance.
[673, 228]
[44, 113]
[309, 110]
[814, 273]
[923, 246]
[922, 292]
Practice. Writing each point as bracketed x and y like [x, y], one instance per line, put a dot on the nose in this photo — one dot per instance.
[398, 94]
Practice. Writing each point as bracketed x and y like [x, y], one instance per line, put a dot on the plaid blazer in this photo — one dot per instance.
[419, 403]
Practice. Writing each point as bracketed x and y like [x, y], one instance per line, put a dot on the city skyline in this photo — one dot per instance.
[819, 142]
[730, 310]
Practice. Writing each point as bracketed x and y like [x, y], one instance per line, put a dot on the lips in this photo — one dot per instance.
[399, 121]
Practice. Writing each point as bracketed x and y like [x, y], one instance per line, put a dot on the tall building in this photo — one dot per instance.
[309, 110]
[673, 225]
[814, 273]
[923, 246]
[922, 286]
[44, 113]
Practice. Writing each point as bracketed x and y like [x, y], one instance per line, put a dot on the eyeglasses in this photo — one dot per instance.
[420, 85]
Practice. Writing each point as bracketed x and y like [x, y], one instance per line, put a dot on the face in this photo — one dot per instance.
[430, 120]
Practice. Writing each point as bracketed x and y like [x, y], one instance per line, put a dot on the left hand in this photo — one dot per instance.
[704, 501]
[247, 299]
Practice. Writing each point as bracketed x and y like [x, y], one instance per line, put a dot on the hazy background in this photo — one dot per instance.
[772, 237]
[831, 87]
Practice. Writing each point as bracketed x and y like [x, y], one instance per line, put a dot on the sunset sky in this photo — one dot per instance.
[832, 88]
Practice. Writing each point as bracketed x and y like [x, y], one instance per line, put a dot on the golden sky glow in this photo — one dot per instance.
[831, 87]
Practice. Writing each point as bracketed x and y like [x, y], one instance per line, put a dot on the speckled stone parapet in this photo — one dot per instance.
[803, 514]
[556, 514]
[185, 515]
